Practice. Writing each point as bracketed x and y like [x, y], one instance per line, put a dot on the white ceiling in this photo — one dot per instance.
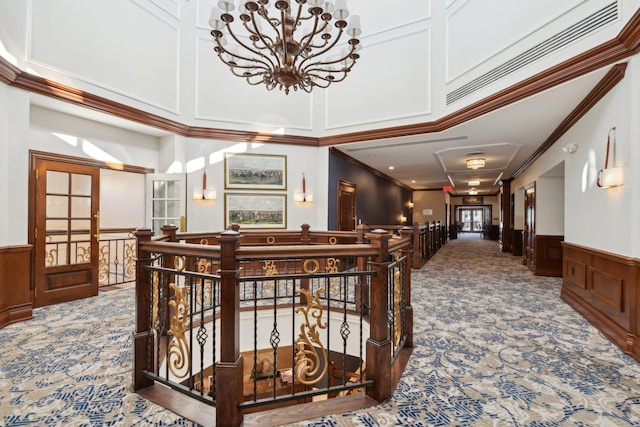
[506, 137]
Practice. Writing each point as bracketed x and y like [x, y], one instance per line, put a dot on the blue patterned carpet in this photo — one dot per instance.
[494, 345]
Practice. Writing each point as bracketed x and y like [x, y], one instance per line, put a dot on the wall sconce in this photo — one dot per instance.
[303, 196]
[410, 205]
[610, 176]
[204, 193]
[403, 219]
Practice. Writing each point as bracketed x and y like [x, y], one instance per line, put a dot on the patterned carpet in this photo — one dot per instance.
[494, 345]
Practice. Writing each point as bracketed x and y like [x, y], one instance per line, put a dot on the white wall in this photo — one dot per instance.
[603, 219]
[209, 155]
[168, 68]
[4, 164]
[550, 206]
[122, 199]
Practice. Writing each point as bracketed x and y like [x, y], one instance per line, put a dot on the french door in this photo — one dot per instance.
[66, 232]
[166, 201]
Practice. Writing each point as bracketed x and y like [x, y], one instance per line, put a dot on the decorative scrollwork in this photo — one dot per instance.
[51, 257]
[155, 298]
[311, 266]
[271, 240]
[332, 265]
[333, 240]
[397, 299]
[103, 264]
[270, 268]
[179, 263]
[179, 354]
[130, 259]
[308, 359]
[83, 254]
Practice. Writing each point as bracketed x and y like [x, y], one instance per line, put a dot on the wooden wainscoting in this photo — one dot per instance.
[16, 301]
[602, 287]
[548, 256]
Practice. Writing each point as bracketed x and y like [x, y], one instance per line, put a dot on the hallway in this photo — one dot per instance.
[494, 345]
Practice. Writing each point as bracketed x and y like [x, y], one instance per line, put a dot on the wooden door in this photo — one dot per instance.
[66, 233]
[346, 206]
[529, 228]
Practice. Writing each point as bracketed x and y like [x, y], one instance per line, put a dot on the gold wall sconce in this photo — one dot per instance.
[204, 193]
[303, 196]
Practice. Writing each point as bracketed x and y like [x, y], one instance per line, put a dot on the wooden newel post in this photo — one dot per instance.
[170, 230]
[408, 311]
[379, 344]
[142, 338]
[304, 236]
[229, 368]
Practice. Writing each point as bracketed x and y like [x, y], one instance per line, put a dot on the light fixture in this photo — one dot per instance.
[610, 176]
[475, 163]
[474, 182]
[473, 192]
[303, 196]
[289, 47]
[403, 219]
[204, 193]
[410, 205]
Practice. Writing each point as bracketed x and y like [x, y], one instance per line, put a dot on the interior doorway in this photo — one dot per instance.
[471, 220]
[346, 206]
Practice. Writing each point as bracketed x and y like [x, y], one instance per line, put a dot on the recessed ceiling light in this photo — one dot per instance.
[474, 182]
[391, 168]
[473, 192]
[413, 181]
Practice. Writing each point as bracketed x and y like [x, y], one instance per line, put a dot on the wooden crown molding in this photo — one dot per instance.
[608, 82]
[624, 45]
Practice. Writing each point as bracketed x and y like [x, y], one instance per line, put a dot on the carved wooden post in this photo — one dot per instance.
[379, 344]
[229, 368]
[408, 311]
[305, 239]
[142, 338]
[362, 296]
[170, 230]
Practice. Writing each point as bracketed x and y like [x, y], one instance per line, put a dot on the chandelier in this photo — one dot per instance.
[286, 46]
[475, 163]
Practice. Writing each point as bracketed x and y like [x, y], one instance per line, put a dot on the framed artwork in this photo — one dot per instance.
[472, 200]
[255, 172]
[255, 210]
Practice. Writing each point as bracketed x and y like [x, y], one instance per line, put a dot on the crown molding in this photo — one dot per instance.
[624, 45]
[608, 82]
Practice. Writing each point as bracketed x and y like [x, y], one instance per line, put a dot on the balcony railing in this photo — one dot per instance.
[250, 320]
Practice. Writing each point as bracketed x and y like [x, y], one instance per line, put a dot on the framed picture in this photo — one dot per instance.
[255, 210]
[472, 200]
[255, 172]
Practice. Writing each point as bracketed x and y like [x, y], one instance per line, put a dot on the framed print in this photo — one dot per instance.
[255, 210]
[472, 200]
[255, 172]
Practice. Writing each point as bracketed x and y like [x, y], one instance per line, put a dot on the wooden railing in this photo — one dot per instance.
[247, 320]
[427, 239]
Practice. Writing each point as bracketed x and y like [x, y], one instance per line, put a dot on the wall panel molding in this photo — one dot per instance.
[16, 301]
[624, 45]
[603, 287]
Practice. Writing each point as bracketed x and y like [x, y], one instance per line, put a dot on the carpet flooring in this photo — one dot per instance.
[494, 345]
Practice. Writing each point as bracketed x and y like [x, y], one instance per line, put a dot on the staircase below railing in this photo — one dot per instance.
[252, 320]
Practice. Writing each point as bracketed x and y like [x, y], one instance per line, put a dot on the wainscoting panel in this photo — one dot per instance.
[603, 288]
[548, 256]
[15, 289]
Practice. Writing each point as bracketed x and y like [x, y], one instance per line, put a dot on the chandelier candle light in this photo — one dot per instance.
[293, 47]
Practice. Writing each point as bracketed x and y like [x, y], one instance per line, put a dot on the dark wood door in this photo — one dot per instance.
[529, 228]
[346, 206]
[66, 232]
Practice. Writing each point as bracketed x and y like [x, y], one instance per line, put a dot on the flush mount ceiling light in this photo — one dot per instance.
[286, 43]
[475, 163]
[473, 192]
[474, 182]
